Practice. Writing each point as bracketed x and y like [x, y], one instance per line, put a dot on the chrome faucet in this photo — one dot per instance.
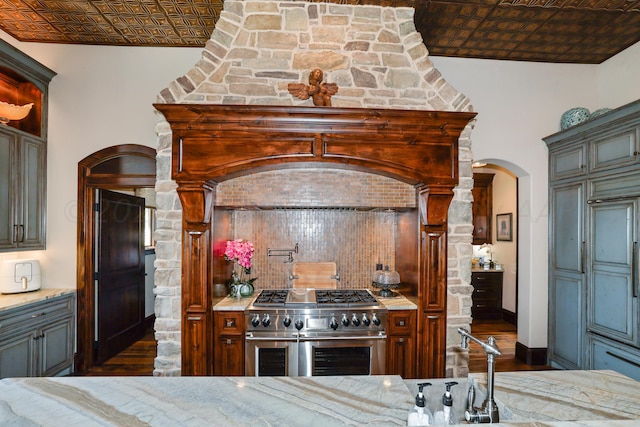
[488, 412]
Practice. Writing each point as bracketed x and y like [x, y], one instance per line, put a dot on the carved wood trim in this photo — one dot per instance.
[213, 143]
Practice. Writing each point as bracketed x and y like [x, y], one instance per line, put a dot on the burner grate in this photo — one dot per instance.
[271, 297]
[349, 297]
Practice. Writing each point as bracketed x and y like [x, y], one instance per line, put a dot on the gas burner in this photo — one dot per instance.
[345, 297]
[271, 297]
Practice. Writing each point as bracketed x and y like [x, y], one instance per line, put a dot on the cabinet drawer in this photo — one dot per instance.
[617, 357]
[486, 280]
[486, 293]
[228, 322]
[401, 322]
[37, 312]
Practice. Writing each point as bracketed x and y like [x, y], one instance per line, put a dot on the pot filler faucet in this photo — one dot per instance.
[488, 412]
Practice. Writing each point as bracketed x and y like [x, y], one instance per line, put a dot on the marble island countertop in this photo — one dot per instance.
[545, 398]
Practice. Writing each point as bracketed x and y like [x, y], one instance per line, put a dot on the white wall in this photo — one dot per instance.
[102, 96]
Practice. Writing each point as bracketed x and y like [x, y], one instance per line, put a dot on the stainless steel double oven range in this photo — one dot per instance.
[313, 332]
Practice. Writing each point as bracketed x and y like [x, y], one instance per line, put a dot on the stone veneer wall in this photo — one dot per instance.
[378, 60]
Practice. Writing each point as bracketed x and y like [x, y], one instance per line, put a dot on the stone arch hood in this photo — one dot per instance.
[219, 142]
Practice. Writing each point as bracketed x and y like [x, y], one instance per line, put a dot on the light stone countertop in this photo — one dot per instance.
[234, 304]
[240, 304]
[9, 301]
[398, 303]
[533, 399]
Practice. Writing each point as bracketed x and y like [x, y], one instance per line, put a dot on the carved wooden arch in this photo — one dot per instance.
[213, 143]
[121, 166]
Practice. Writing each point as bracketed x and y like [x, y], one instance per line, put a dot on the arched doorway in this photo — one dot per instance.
[118, 167]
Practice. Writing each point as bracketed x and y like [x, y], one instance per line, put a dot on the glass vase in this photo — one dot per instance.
[246, 289]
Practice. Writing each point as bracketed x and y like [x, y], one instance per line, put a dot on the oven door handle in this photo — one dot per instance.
[343, 338]
[249, 337]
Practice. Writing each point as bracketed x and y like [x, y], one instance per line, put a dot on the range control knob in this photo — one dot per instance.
[365, 320]
[298, 324]
[355, 320]
[334, 323]
[266, 321]
[256, 320]
[375, 320]
[345, 321]
[287, 321]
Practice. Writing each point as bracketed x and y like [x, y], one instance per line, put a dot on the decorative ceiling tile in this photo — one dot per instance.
[573, 31]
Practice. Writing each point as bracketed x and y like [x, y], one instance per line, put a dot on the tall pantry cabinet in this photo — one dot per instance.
[594, 208]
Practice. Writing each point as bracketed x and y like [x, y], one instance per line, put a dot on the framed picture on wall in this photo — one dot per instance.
[504, 227]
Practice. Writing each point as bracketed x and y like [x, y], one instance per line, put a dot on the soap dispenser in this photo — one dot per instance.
[420, 415]
[444, 417]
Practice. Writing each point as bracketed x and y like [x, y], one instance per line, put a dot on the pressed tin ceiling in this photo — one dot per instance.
[571, 31]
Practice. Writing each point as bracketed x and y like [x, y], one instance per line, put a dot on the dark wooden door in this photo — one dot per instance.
[120, 278]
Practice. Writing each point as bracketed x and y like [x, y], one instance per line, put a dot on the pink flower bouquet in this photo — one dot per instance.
[241, 252]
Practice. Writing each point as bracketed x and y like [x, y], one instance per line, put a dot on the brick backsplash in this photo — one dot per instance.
[355, 240]
[315, 188]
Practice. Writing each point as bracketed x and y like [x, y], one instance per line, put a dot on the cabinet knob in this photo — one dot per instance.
[230, 323]
[401, 323]
[228, 341]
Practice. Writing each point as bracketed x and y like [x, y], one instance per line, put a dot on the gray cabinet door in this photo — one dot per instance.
[56, 350]
[566, 287]
[22, 191]
[568, 162]
[8, 175]
[32, 189]
[612, 309]
[17, 355]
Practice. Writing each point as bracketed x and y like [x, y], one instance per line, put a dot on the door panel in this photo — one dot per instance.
[612, 307]
[120, 287]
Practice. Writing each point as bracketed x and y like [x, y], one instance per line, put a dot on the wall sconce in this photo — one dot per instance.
[10, 112]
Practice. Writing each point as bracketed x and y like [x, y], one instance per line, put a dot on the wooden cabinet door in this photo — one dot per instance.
[401, 356]
[229, 356]
[228, 352]
[401, 343]
[482, 207]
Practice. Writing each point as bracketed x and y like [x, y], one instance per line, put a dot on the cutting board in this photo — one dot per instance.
[314, 275]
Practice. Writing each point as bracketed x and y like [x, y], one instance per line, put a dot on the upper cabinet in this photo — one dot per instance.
[482, 207]
[23, 152]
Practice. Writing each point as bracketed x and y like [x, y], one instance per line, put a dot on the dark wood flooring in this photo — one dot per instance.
[138, 359]
[506, 336]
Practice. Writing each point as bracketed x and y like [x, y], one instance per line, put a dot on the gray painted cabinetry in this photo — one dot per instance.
[37, 339]
[23, 152]
[22, 189]
[594, 198]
